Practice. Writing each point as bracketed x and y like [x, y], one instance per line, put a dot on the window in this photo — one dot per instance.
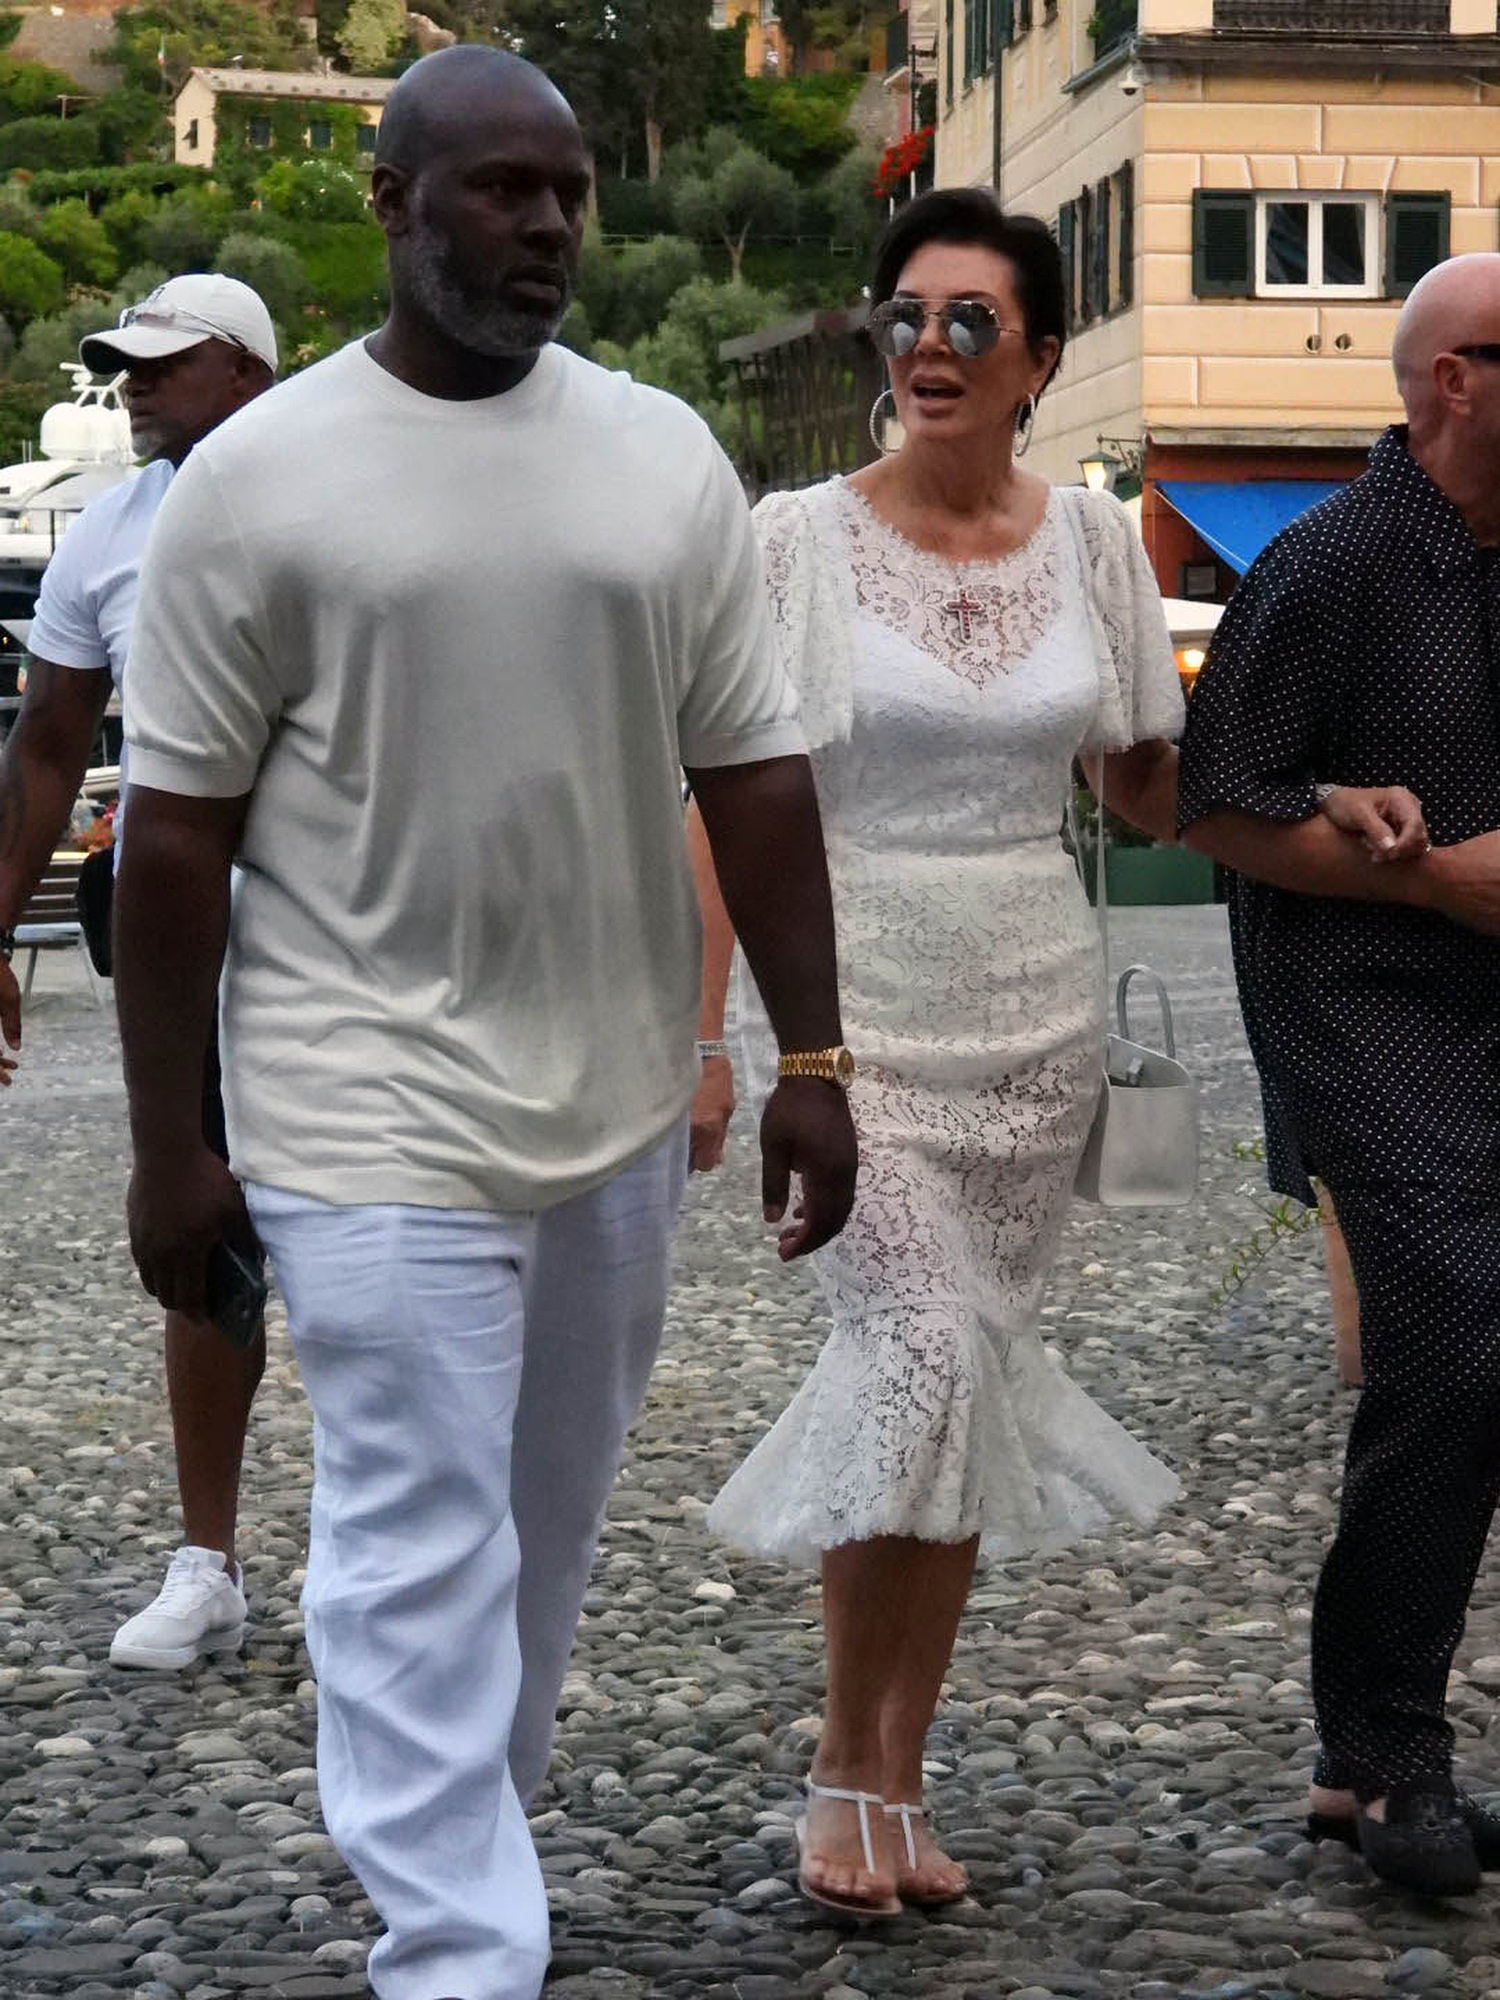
[1310, 245]
[260, 131]
[1023, 16]
[364, 139]
[1306, 245]
[948, 44]
[320, 135]
[190, 137]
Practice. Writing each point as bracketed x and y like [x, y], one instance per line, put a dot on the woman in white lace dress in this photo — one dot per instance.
[957, 630]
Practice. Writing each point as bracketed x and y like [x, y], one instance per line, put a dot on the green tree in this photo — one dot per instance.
[682, 355]
[271, 268]
[636, 72]
[127, 220]
[638, 284]
[319, 190]
[79, 242]
[31, 282]
[744, 195]
[800, 122]
[187, 229]
[48, 142]
[28, 89]
[371, 33]
[854, 213]
[209, 32]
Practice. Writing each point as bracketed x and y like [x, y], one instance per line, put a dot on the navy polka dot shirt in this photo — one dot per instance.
[1363, 648]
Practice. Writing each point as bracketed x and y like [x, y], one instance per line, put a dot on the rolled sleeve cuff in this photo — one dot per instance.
[188, 777]
[748, 746]
[1285, 800]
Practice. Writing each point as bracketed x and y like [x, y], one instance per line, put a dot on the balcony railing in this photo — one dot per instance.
[1335, 17]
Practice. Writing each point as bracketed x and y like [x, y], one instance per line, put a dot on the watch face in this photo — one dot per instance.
[843, 1068]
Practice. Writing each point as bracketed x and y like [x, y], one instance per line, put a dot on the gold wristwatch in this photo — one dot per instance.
[834, 1065]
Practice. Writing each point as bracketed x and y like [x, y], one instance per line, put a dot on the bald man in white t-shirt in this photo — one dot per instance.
[428, 640]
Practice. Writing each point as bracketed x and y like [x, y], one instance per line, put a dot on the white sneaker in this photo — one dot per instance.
[199, 1609]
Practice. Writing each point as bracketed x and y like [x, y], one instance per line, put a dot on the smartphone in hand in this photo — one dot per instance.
[236, 1293]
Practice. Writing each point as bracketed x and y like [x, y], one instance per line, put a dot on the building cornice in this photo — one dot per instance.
[1274, 50]
[1280, 437]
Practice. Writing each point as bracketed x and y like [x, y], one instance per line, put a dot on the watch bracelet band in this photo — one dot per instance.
[819, 1063]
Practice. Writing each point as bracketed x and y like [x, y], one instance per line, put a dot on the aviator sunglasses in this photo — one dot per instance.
[149, 312]
[969, 326]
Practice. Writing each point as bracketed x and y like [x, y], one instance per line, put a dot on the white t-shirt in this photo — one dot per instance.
[459, 651]
[86, 608]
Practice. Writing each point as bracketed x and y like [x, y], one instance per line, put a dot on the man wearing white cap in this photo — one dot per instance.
[193, 352]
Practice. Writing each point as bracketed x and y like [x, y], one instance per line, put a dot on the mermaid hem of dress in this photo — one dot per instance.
[1014, 1452]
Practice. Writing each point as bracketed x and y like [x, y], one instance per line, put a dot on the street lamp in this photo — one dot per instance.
[1100, 472]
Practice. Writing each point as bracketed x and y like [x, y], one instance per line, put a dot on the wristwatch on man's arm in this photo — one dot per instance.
[835, 1065]
[1323, 793]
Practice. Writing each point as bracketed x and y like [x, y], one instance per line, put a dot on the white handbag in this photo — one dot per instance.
[1142, 1150]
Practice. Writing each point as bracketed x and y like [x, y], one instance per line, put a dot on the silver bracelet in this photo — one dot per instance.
[707, 1049]
[1323, 793]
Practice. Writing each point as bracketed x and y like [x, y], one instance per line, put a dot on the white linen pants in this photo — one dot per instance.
[472, 1377]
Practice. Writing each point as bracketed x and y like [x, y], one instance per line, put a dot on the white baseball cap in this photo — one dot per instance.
[183, 313]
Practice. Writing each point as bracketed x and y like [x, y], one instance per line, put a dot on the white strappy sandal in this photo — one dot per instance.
[850, 1906]
[935, 1900]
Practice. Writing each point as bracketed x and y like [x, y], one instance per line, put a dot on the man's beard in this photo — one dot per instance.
[481, 321]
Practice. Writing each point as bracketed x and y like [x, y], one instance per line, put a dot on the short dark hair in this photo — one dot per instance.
[972, 215]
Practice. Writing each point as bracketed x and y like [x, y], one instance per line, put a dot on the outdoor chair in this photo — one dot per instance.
[49, 921]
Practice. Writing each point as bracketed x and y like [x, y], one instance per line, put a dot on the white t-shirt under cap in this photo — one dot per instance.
[459, 650]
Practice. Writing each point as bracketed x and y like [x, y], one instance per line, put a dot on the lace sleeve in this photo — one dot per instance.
[808, 613]
[1139, 692]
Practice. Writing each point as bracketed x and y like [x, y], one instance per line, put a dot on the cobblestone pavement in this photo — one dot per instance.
[1119, 1757]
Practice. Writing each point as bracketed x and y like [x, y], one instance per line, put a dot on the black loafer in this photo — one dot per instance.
[1483, 1825]
[1423, 1843]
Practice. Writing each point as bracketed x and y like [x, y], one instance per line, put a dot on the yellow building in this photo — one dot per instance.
[1244, 191]
[286, 106]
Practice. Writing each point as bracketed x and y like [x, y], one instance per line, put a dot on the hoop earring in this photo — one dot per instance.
[1025, 419]
[878, 421]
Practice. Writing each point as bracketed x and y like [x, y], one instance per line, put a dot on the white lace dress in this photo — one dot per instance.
[972, 997]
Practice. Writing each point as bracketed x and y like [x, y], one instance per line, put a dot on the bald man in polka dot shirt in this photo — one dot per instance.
[1363, 649]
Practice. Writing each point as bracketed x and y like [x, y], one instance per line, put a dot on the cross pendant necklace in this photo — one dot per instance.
[963, 608]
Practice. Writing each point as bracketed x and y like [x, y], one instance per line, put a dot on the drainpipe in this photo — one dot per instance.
[997, 162]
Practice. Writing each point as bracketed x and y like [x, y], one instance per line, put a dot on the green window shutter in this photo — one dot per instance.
[1125, 197]
[948, 49]
[1416, 238]
[969, 6]
[1223, 244]
[1065, 222]
[1004, 32]
[1100, 211]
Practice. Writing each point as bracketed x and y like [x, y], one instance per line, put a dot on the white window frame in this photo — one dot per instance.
[1316, 201]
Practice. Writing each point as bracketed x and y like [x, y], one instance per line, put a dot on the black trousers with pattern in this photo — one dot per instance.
[1421, 1478]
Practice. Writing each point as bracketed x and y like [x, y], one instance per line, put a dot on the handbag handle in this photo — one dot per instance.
[1122, 994]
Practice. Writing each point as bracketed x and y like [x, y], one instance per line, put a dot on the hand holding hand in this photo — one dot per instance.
[708, 1121]
[178, 1207]
[10, 1020]
[806, 1129]
[1387, 818]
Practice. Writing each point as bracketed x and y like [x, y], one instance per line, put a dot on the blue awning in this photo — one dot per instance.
[1238, 517]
